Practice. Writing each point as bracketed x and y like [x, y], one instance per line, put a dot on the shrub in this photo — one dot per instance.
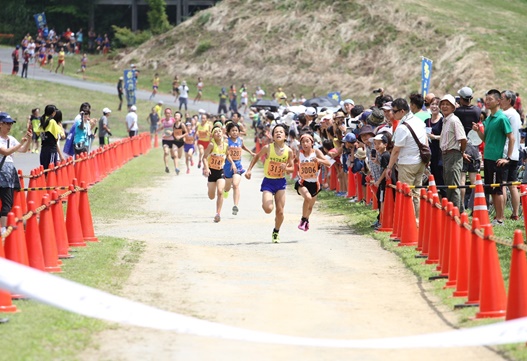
[125, 37]
[202, 47]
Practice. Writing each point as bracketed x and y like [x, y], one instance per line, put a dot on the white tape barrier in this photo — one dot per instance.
[91, 302]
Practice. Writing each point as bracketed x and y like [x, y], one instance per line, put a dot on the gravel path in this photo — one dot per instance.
[326, 282]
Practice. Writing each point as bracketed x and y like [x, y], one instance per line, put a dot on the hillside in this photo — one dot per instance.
[352, 46]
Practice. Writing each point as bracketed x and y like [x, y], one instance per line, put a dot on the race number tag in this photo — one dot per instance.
[215, 162]
[308, 170]
[236, 153]
[203, 134]
[178, 132]
[275, 169]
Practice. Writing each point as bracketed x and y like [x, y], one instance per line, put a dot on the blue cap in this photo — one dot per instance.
[5, 118]
[350, 138]
[365, 115]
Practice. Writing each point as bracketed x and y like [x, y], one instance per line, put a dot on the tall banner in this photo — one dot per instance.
[129, 86]
[40, 20]
[426, 75]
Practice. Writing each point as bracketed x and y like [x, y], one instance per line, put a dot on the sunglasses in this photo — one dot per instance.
[395, 111]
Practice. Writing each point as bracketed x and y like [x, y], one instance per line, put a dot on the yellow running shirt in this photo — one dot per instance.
[217, 157]
[204, 132]
[272, 165]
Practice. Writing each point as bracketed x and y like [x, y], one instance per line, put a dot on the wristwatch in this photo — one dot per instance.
[508, 158]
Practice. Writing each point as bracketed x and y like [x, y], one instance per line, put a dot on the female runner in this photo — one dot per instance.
[213, 161]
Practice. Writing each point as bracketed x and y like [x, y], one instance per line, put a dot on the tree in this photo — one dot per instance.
[157, 17]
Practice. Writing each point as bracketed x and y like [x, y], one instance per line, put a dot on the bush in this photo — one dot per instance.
[202, 47]
[125, 37]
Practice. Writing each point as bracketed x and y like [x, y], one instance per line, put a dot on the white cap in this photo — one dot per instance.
[202, 111]
[133, 108]
[160, 102]
[310, 111]
[106, 111]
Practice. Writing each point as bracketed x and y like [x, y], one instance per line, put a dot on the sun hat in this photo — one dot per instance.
[349, 101]
[376, 117]
[465, 92]
[360, 153]
[387, 106]
[6, 118]
[106, 111]
[367, 129]
[449, 98]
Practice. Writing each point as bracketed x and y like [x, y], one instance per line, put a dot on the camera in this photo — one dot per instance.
[373, 153]
[377, 90]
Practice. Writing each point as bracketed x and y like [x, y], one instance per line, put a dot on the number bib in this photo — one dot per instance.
[215, 162]
[203, 134]
[275, 169]
[236, 153]
[308, 170]
[189, 139]
[178, 132]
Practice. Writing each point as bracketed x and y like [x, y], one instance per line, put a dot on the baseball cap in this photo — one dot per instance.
[201, 111]
[311, 111]
[6, 118]
[381, 137]
[449, 98]
[349, 138]
[387, 106]
[160, 102]
[365, 114]
[349, 101]
[465, 93]
[106, 111]
[133, 108]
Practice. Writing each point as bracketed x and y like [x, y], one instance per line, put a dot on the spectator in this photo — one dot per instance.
[183, 95]
[82, 132]
[405, 153]
[233, 99]
[50, 133]
[497, 130]
[452, 143]
[434, 126]
[416, 106]
[79, 40]
[15, 55]
[33, 124]
[131, 121]
[222, 105]
[260, 93]
[104, 129]
[280, 97]
[25, 64]
[153, 119]
[120, 92]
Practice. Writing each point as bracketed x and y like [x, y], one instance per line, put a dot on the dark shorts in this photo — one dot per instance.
[494, 175]
[312, 187]
[168, 143]
[471, 167]
[179, 143]
[35, 136]
[273, 185]
[512, 175]
[215, 175]
[132, 133]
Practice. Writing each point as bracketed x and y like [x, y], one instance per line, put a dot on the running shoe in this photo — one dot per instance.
[235, 210]
[225, 194]
[177, 171]
[276, 237]
[217, 218]
[306, 226]
[188, 171]
[495, 223]
[302, 225]
[166, 170]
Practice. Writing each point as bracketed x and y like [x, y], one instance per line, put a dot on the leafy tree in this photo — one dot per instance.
[157, 17]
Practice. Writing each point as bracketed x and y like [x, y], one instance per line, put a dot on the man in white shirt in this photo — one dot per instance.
[183, 95]
[259, 93]
[131, 121]
[405, 152]
[508, 99]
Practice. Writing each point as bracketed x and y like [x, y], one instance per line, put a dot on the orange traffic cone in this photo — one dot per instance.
[85, 215]
[352, 187]
[474, 270]
[51, 180]
[409, 226]
[61, 234]
[386, 208]
[432, 184]
[358, 182]
[333, 179]
[463, 259]
[6, 302]
[33, 240]
[73, 221]
[492, 299]
[49, 242]
[453, 250]
[13, 247]
[480, 205]
[427, 226]
[517, 297]
[398, 212]
[32, 195]
[435, 231]
[21, 236]
[422, 219]
[374, 200]
[445, 240]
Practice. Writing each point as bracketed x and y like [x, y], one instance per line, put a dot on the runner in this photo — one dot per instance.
[203, 130]
[278, 160]
[308, 185]
[84, 64]
[190, 140]
[155, 86]
[61, 60]
[199, 86]
[175, 87]
[233, 168]
[179, 134]
[168, 141]
[213, 161]
[51, 52]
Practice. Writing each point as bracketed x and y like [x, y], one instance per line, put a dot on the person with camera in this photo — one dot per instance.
[104, 130]
[81, 139]
[50, 133]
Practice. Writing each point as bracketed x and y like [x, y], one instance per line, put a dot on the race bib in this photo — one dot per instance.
[275, 170]
[178, 132]
[189, 139]
[236, 153]
[308, 170]
[215, 162]
[203, 134]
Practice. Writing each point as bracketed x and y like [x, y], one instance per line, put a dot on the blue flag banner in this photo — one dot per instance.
[334, 96]
[129, 86]
[40, 20]
[426, 75]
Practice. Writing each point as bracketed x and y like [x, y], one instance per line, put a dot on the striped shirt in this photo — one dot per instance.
[451, 134]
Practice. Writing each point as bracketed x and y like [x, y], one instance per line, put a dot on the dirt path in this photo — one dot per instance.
[325, 283]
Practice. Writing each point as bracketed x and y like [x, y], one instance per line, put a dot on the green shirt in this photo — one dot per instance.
[423, 115]
[497, 127]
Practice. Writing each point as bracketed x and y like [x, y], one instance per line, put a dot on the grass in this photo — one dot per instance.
[360, 217]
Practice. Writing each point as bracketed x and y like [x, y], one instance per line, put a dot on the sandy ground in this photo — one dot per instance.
[326, 282]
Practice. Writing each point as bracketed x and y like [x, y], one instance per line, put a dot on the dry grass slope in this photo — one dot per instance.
[352, 46]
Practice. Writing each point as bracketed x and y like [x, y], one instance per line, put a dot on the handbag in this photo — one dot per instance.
[424, 150]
